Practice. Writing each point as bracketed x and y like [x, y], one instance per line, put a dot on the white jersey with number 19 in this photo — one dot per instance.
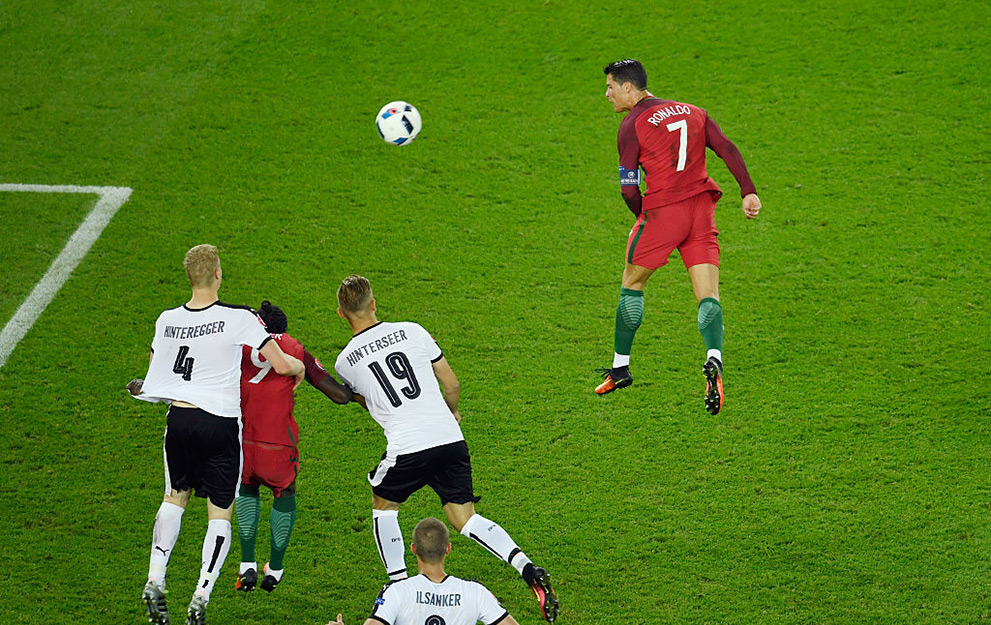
[391, 366]
[197, 356]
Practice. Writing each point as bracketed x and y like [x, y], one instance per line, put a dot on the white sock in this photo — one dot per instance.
[620, 360]
[714, 353]
[246, 566]
[168, 521]
[491, 536]
[276, 574]
[216, 544]
[389, 540]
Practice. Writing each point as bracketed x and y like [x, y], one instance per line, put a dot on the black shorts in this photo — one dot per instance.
[203, 452]
[446, 469]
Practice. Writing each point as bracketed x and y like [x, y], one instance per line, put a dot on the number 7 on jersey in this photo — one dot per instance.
[683, 147]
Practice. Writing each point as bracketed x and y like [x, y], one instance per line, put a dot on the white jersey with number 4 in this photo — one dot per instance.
[197, 356]
[420, 601]
[391, 366]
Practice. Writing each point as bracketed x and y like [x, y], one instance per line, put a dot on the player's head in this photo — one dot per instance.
[202, 265]
[431, 541]
[626, 81]
[274, 319]
[354, 297]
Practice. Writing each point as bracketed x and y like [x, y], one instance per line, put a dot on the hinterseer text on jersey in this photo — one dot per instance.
[192, 332]
[449, 600]
[373, 346]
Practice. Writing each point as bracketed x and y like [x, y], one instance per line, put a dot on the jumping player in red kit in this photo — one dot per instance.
[270, 438]
[668, 140]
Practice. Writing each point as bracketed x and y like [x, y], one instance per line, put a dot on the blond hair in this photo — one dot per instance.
[354, 295]
[431, 538]
[201, 264]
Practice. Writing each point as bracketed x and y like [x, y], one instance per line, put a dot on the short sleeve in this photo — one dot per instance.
[386, 607]
[429, 345]
[490, 611]
[252, 331]
[314, 370]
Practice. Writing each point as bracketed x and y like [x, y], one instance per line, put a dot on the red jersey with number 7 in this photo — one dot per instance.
[267, 398]
[668, 140]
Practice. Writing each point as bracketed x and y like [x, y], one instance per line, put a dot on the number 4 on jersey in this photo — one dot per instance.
[183, 366]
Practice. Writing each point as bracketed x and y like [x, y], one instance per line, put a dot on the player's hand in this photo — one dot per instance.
[457, 416]
[339, 621]
[299, 380]
[751, 205]
[134, 386]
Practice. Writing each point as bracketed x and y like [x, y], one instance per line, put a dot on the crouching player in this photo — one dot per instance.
[271, 455]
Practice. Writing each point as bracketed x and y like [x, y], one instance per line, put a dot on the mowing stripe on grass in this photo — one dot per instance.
[111, 199]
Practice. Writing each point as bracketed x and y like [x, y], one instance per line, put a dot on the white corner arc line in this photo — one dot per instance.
[111, 199]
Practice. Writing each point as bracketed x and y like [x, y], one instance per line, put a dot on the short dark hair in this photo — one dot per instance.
[275, 320]
[431, 539]
[628, 70]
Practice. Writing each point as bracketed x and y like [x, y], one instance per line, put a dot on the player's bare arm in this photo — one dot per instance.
[283, 363]
[452, 388]
[334, 390]
[318, 377]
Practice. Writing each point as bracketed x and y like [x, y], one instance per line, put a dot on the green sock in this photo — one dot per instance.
[629, 314]
[282, 519]
[711, 323]
[248, 508]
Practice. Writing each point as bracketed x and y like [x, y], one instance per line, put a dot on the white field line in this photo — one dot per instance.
[111, 199]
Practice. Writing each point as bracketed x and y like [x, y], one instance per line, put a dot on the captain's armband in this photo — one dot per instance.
[629, 177]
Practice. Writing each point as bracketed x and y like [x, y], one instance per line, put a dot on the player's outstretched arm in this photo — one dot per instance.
[506, 620]
[318, 377]
[283, 363]
[337, 392]
[452, 388]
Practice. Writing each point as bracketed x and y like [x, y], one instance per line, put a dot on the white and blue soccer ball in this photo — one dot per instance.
[398, 122]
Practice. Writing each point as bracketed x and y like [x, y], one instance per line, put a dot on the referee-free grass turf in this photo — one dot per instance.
[846, 480]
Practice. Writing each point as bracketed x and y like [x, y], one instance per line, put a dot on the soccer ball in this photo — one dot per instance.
[398, 122]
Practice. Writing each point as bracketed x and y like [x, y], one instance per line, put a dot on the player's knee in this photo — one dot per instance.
[178, 497]
[378, 503]
[458, 514]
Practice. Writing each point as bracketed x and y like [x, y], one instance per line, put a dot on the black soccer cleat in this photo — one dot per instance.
[615, 378]
[154, 598]
[540, 584]
[269, 582]
[246, 581]
[714, 396]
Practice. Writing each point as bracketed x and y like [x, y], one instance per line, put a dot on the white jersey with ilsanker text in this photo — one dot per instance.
[420, 601]
[196, 356]
[391, 366]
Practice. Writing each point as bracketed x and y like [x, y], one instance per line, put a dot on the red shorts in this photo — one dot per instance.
[265, 464]
[689, 225]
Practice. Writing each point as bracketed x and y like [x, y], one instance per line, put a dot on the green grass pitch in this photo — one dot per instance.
[847, 479]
